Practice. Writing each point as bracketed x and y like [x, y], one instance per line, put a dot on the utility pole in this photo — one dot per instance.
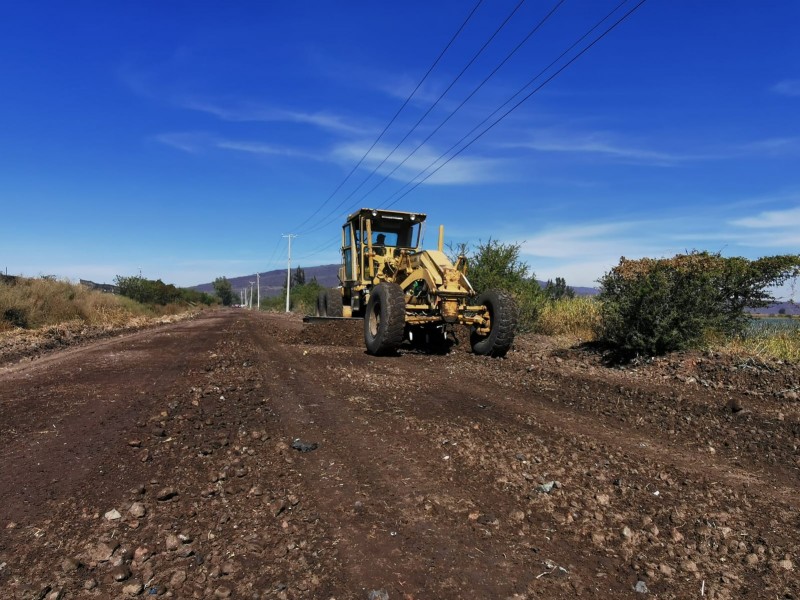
[258, 291]
[289, 269]
[250, 305]
[241, 296]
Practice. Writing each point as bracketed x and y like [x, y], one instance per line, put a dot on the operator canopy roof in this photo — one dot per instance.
[387, 216]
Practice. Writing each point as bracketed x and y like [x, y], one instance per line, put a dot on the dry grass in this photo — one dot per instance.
[40, 303]
[575, 317]
[776, 342]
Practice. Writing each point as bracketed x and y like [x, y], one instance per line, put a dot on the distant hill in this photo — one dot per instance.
[778, 308]
[272, 282]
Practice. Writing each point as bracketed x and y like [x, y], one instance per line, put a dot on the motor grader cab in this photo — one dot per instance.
[405, 292]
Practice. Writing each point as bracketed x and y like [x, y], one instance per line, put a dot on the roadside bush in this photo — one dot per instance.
[653, 306]
[302, 298]
[496, 265]
[156, 292]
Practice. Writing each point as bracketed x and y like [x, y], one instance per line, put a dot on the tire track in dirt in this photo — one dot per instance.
[409, 531]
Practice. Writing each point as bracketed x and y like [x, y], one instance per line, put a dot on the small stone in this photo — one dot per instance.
[689, 566]
[135, 443]
[602, 499]
[791, 395]
[90, 584]
[751, 559]
[677, 536]
[120, 573]
[227, 568]
[735, 405]
[166, 493]
[134, 588]
[112, 515]
[103, 552]
[302, 446]
[666, 570]
[172, 542]
[786, 564]
[222, 591]
[57, 594]
[546, 488]
[378, 595]
[178, 578]
[137, 510]
[627, 533]
[70, 564]
[141, 554]
[640, 587]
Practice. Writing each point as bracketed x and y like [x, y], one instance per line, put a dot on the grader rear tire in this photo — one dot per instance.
[385, 319]
[335, 303]
[329, 303]
[503, 322]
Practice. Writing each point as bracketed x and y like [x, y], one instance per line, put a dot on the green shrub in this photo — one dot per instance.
[496, 265]
[653, 306]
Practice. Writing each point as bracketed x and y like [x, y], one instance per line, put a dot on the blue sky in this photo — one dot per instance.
[184, 138]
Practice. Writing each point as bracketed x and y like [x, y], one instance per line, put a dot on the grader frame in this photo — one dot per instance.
[405, 292]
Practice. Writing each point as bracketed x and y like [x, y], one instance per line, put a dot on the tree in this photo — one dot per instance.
[653, 306]
[224, 290]
[558, 290]
[299, 277]
[496, 265]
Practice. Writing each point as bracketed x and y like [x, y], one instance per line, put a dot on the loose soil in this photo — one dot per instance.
[249, 455]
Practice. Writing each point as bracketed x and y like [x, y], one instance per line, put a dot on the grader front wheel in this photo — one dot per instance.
[502, 314]
[384, 322]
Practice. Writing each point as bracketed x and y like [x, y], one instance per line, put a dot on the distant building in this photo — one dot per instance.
[100, 287]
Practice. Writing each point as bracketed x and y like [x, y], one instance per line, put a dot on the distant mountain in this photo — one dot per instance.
[273, 282]
[778, 308]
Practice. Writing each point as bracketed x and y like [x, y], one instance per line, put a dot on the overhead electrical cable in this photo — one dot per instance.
[425, 114]
[518, 104]
[510, 110]
[397, 114]
[467, 99]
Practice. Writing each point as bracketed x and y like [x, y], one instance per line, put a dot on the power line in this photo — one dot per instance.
[468, 98]
[427, 112]
[514, 107]
[518, 104]
[399, 110]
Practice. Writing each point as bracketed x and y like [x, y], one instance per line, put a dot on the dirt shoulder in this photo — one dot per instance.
[163, 463]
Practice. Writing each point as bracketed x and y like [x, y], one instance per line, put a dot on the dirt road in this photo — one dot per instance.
[163, 463]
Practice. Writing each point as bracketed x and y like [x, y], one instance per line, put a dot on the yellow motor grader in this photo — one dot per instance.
[405, 292]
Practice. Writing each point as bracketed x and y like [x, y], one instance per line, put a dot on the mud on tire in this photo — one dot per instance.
[503, 315]
[385, 318]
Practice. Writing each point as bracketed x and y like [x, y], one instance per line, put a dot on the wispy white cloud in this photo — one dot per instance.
[251, 111]
[771, 219]
[461, 170]
[195, 142]
[269, 149]
[192, 142]
[787, 87]
[602, 144]
[619, 148]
